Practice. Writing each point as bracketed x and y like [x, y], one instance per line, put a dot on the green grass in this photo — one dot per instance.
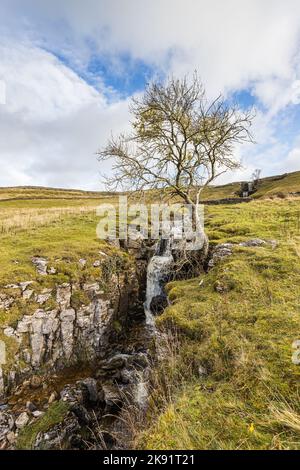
[272, 187]
[63, 242]
[279, 186]
[243, 338]
[54, 415]
[32, 192]
[276, 186]
[268, 187]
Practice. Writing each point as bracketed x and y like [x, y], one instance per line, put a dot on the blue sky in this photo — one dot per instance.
[70, 69]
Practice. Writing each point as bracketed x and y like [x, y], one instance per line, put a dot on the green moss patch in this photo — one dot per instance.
[54, 415]
[237, 323]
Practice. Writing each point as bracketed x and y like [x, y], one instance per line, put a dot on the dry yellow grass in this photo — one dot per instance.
[13, 219]
[286, 416]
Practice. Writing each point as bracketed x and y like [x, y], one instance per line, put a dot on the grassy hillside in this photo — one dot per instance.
[32, 192]
[269, 187]
[237, 324]
[61, 230]
[279, 185]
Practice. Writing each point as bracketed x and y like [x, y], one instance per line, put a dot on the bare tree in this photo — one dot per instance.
[180, 141]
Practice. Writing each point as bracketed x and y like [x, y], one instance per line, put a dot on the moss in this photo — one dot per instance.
[79, 298]
[11, 348]
[238, 323]
[117, 326]
[54, 415]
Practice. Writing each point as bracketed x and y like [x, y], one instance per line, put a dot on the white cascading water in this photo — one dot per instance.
[158, 267]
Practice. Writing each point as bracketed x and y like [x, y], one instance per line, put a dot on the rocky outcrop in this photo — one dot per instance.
[90, 405]
[219, 252]
[71, 323]
[63, 335]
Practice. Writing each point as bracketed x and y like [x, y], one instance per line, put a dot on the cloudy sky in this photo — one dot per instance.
[69, 67]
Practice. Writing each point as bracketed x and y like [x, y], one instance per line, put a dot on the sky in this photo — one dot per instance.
[68, 69]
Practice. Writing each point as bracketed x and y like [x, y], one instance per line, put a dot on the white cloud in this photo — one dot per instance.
[54, 121]
[231, 43]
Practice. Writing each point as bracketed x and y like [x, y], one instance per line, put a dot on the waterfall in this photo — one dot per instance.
[157, 271]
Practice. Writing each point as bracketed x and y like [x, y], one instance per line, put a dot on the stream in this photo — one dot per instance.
[97, 394]
[157, 271]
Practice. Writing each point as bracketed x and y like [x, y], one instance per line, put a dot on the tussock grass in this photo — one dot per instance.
[13, 220]
[36, 192]
[242, 337]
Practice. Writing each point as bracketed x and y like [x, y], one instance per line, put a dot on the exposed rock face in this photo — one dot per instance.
[66, 334]
[7, 425]
[68, 324]
[41, 265]
[91, 406]
[158, 304]
[1, 382]
[62, 336]
[220, 252]
[22, 420]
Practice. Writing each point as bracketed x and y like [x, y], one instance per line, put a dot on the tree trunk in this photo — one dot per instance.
[198, 228]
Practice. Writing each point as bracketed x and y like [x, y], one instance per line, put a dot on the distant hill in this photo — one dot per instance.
[40, 192]
[280, 186]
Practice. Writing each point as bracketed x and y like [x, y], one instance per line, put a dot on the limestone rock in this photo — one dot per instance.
[67, 328]
[9, 332]
[63, 296]
[37, 413]
[202, 371]
[6, 424]
[22, 420]
[1, 382]
[253, 243]
[44, 296]
[91, 386]
[6, 301]
[40, 264]
[27, 294]
[24, 325]
[12, 286]
[52, 398]
[25, 284]
[93, 288]
[112, 398]
[11, 437]
[219, 253]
